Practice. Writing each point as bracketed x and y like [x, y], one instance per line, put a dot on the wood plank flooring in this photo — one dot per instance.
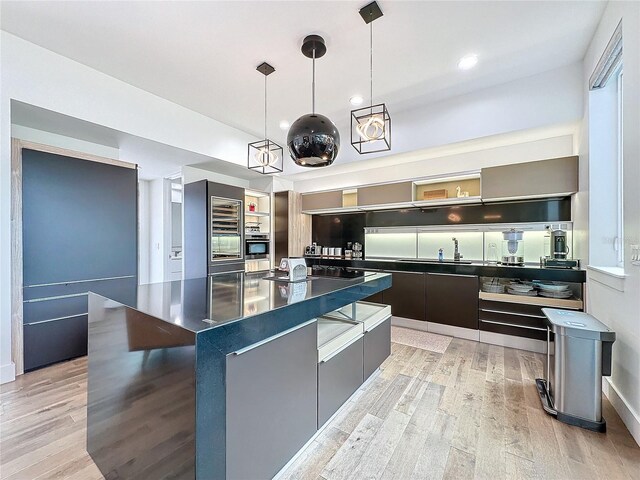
[472, 412]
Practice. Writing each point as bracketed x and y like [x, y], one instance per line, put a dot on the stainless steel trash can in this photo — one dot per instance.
[578, 355]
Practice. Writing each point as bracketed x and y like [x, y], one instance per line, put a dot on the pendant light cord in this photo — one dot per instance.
[265, 107]
[313, 84]
[371, 61]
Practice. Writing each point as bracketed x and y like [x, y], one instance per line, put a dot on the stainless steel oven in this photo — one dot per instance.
[256, 247]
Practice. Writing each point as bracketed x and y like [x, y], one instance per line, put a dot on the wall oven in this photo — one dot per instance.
[256, 247]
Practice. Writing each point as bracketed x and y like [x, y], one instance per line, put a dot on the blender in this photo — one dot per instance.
[512, 247]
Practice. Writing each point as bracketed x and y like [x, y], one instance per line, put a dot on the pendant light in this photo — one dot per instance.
[313, 139]
[371, 126]
[265, 156]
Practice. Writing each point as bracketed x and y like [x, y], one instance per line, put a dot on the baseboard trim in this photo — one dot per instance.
[439, 328]
[458, 332]
[7, 373]
[629, 417]
[409, 323]
[510, 341]
[492, 338]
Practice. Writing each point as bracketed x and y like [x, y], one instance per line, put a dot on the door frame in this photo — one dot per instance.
[17, 145]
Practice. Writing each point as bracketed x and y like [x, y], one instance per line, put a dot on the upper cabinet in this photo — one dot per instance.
[545, 178]
[530, 180]
[384, 195]
[322, 201]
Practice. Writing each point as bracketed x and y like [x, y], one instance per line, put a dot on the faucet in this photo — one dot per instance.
[456, 251]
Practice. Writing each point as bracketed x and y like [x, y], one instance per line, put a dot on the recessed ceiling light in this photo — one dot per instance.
[284, 125]
[356, 100]
[467, 62]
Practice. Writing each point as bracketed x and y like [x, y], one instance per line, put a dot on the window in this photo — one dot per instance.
[606, 248]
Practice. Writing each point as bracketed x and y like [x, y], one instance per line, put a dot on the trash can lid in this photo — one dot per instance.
[577, 324]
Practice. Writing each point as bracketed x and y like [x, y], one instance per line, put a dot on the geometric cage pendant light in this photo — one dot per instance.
[371, 126]
[265, 156]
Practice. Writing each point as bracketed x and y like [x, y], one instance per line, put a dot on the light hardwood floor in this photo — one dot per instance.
[472, 412]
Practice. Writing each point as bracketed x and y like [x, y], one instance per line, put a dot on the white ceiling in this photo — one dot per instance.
[203, 55]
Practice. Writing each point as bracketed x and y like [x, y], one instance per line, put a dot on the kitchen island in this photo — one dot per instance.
[218, 377]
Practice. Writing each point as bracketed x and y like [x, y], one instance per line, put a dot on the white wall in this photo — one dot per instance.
[444, 161]
[194, 174]
[157, 246]
[36, 76]
[144, 231]
[620, 310]
[61, 141]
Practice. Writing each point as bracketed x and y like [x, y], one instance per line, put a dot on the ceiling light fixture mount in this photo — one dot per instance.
[313, 139]
[371, 126]
[265, 156]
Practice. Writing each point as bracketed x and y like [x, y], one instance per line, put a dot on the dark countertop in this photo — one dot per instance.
[528, 272]
[201, 304]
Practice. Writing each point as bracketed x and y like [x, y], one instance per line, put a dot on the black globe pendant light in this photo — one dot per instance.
[313, 139]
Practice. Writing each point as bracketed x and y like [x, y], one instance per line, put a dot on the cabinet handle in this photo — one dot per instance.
[372, 327]
[274, 337]
[342, 347]
[514, 325]
[402, 271]
[513, 313]
[452, 274]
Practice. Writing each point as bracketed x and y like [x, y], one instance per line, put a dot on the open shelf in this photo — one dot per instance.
[569, 303]
[256, 214]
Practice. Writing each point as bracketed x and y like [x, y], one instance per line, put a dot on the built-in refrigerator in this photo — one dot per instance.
[213, 229]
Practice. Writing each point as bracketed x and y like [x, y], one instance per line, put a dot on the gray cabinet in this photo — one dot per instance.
[271, 403]
[339, 376]
[545, 178]
[321, 200]
[389, 193]
[377, 346]
[452, 300]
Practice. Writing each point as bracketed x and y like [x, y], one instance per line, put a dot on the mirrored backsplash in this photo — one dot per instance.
[476, 243]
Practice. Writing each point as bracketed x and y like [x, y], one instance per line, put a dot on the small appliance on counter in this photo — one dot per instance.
[296, 268]
[313, 249]
[356, 251]
[512, 248]
[558, 251]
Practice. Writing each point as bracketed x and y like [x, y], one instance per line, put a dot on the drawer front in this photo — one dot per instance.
[512, 307]
[49, 309]
[55, 341]
[338, 378]
[521, 325]
[377, 347]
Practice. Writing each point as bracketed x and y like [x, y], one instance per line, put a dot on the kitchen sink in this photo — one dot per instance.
[434, 260]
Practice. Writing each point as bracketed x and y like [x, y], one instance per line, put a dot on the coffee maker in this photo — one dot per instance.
[557, 256]
[558, 244]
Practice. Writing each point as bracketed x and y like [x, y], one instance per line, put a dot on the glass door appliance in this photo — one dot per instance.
[226, 229]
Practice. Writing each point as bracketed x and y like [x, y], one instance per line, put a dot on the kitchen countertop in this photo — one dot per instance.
[201, 304]
[528, 272]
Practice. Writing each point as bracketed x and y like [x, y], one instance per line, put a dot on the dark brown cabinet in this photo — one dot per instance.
[452, 300]
[406, 295]
[516, 319]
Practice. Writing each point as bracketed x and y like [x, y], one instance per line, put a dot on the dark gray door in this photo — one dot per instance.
[80, 233]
